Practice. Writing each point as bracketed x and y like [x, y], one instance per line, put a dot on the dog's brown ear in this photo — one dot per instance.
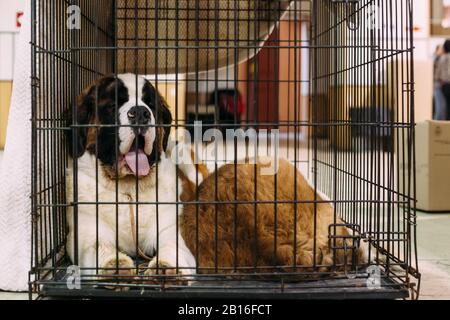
[80, 115]
[162, 113]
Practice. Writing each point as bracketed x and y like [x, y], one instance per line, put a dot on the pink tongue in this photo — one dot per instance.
[142, 168]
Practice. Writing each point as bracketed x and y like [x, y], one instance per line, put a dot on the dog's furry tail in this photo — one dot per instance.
[370, 255]
[194, 172]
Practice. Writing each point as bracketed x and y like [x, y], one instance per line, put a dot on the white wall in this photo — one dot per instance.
[8, 10]
[8, 46]
[8, 34]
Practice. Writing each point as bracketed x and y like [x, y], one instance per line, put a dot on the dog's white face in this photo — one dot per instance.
[135, 112]
[134, 125]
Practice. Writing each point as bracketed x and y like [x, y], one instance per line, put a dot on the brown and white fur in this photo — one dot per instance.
[240, 226]
[96, 152]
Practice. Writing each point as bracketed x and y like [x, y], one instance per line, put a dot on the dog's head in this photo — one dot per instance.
[124, 121]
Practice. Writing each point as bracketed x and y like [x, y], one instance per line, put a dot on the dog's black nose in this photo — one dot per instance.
[139, 115]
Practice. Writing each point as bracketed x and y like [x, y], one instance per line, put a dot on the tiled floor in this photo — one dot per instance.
[434, 253]
[13, 296]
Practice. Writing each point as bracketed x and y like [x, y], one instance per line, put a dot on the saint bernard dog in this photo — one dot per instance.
[122, 173]
[124, 165]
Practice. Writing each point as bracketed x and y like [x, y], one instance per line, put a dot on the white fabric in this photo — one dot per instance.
[15, 173]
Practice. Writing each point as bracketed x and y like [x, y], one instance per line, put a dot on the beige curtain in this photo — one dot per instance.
[192, 35]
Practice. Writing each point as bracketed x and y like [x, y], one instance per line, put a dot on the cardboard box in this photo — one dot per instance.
[5, 100]
[433, 166]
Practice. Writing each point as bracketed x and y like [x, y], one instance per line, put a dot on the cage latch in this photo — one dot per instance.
[347, 243]
[351, 16]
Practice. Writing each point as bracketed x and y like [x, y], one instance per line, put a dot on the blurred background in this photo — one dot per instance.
[193, 96]
[431, 28]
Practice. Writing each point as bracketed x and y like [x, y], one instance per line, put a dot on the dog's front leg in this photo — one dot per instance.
[101, 259]
[168, 259]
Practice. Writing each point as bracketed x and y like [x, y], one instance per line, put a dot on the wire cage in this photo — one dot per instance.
[328, 85]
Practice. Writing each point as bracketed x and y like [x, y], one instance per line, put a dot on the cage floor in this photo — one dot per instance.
[220, 288]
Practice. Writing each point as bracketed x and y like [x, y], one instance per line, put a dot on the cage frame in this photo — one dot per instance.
[44, 279]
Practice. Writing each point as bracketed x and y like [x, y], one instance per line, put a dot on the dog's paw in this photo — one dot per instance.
[119, 271]
[162, 268]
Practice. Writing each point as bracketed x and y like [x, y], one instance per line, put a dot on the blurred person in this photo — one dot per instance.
[440, 104]
[443, 75]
